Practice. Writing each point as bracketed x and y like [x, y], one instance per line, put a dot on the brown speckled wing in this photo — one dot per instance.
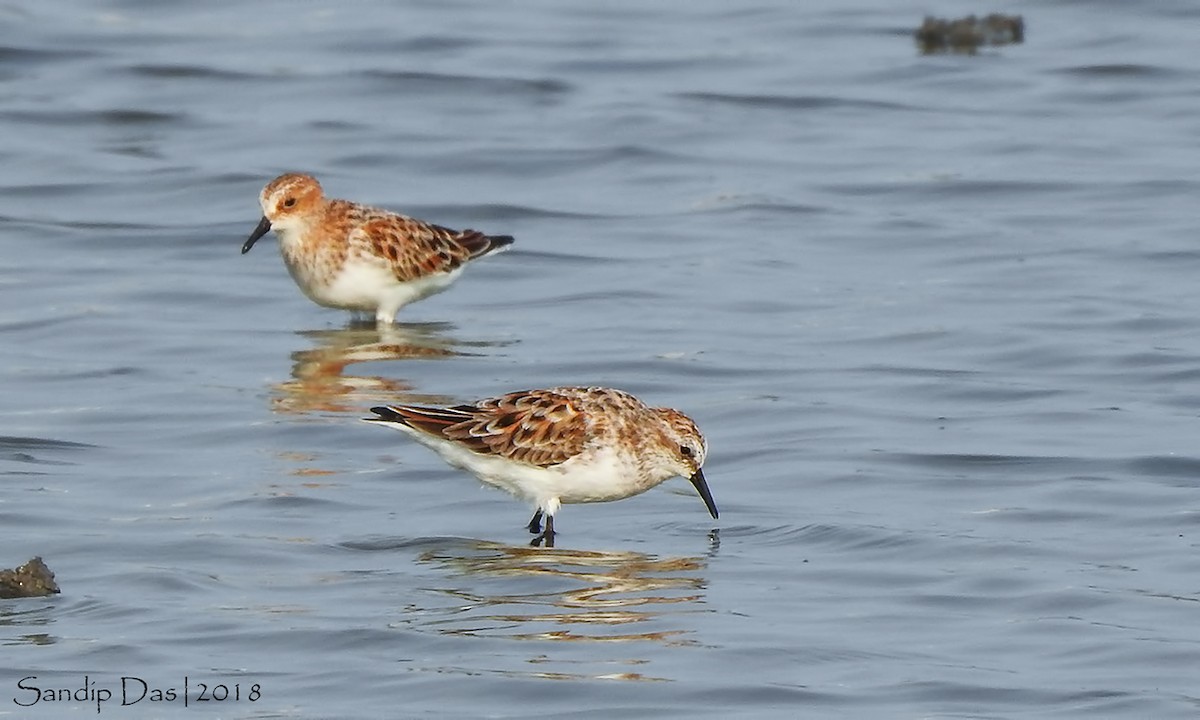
[414, 249]
[538, 427]
[411, 248]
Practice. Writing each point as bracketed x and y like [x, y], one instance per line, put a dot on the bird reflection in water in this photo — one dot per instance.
[579, 596]
[320, 382]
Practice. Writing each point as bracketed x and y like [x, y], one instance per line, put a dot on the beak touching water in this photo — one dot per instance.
[263, 226]
[702, 488]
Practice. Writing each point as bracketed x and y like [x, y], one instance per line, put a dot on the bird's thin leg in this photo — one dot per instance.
[547, 535]
[535, 525]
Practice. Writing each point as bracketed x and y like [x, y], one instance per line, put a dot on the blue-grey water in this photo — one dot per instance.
[938, 317]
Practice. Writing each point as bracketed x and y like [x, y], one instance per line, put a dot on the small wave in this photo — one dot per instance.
[496, 212]
[956, 187]
[276, 503]
[1185, 471]
[792, 102]
[9, 442]
[10, 55]
[971, 461]
[115, 116]
[829, 536]
[183, 72]
[640, 65]
[1121, 70]
[366, 45]
[540, 161]
[424, 82]
[387, 543]
[735, 203]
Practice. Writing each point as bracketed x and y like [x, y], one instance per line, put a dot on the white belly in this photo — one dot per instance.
[367, 286]
[597, 477]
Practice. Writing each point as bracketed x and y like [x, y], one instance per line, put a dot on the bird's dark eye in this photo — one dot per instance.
[289, 202]
[685, 450]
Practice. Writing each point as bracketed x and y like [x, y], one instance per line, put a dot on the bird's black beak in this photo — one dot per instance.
[263, 226]
[702, 488]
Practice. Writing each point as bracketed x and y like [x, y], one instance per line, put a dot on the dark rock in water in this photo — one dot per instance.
[33, 579]
[966, 35]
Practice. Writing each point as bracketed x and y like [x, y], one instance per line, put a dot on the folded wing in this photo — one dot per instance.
[538, 427]
[415, 249]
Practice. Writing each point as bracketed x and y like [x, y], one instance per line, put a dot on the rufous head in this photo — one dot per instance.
[685, 451]
[285, 200]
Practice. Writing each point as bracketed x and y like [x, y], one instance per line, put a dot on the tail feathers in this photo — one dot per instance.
[499, 242]
[386, 414]
[479, 244]
[425, 419]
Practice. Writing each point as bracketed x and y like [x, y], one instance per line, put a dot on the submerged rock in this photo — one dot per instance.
[966, 35]
[33, 579]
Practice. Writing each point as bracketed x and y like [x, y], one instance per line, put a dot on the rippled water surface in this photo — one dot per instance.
[937, 316]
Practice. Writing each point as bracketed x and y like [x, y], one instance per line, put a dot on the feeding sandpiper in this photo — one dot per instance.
[560, 445]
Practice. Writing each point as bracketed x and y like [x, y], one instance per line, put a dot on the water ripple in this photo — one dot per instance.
[1183, 471]
[801, 102]
[1135, 71]
[11, 55]
[8, 442]
[117, 117]
[424, 83]
[181, 71]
